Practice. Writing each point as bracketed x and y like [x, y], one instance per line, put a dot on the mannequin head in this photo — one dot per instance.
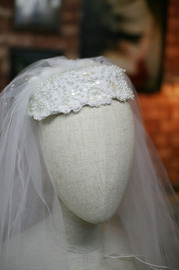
[89, 154]
[47, 215]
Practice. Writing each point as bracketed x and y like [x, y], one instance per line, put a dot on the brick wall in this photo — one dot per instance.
[161, 118]
[66, 39]
[171, 61]
[160, 111]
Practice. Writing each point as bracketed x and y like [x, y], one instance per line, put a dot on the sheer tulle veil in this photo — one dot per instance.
[27, 192]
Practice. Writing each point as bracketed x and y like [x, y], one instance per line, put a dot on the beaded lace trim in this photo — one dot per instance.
[71, 90]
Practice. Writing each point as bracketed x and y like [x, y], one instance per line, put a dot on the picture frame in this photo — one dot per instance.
[129, 32]
[37, 15]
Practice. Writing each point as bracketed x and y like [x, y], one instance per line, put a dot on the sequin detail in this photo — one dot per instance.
[71, 90]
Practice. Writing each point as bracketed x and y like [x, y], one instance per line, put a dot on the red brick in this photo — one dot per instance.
[72, 4]
[173, 176]
[20, 39]
[5, 67]
[157, 114]
[70, 30]
[169, 126]
[174, 181]
[174, 3]
[171, 39]
[174, 164]
[172, 52]
[4, 38]
[161, 140]
[8, 5]
[72, 43]
[3, 52]
[6, 13]
[69, 16]
[176, 87]
[72, 55]
[172, 66]
[48, 42]
[165, 153]
[166, 88]
[174, 140]
[175, 115]
[4, 82]
[172, 10]
[172, 27]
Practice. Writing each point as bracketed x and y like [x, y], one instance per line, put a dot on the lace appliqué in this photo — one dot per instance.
[71, 90]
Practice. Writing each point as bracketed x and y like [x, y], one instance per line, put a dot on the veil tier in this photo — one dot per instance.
[28, 194]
